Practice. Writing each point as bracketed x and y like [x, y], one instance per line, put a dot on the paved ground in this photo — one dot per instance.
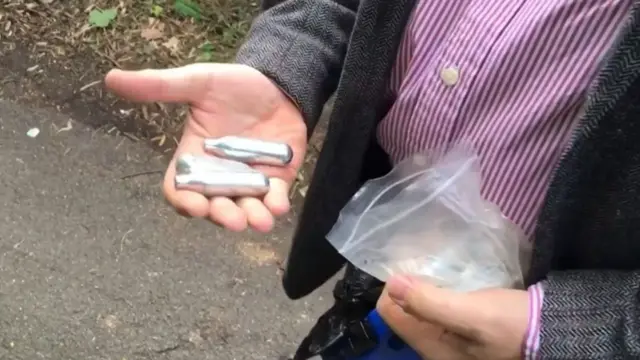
[94, 265]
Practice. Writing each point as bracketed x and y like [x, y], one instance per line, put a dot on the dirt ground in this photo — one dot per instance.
[95, 266]
[61, 49]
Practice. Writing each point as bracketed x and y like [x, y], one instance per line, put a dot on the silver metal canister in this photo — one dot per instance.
[250, 151]
[188, 163]
[212, 176]
[229, 184]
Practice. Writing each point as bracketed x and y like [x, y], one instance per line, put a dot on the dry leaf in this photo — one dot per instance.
[151, 34]
[155, 23]
[172, 44]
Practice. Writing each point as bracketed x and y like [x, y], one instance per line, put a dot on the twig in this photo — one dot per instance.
[130, 136]
[89, 85]
[113, 61]
[153, 172]
[123, 239]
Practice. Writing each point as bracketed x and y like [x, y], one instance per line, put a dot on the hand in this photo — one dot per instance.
[444, 325]
[224, 99]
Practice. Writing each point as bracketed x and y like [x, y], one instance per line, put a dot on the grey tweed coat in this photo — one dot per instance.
[587, 244]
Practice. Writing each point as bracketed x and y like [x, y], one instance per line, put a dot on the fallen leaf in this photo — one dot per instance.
[156, 10]
[187, 8]
[206, 52]
[155, 23]
[102, 18]
[172, 44]
[151, 34]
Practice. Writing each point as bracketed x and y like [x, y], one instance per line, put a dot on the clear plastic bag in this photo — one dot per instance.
[427, 218]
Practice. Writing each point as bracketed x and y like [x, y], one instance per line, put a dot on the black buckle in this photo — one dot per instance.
[343, 332]
[361, 338]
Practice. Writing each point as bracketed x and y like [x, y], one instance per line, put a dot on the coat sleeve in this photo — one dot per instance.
[301, 45]
[590, 315]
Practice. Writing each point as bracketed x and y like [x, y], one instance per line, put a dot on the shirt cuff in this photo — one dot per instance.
[532, 337]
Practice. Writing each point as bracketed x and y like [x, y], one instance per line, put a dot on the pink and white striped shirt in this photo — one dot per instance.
[509, 76]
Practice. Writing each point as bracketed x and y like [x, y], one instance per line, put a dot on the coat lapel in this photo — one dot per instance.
[556, 222]
[372, 50]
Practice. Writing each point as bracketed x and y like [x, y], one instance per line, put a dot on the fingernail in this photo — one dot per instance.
[398, 287]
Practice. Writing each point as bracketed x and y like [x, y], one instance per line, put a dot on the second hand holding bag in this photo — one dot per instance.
[426, 218]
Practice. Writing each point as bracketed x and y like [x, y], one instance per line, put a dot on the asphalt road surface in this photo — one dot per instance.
[94, 264]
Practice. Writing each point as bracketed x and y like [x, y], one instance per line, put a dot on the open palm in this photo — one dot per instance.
[224, 99]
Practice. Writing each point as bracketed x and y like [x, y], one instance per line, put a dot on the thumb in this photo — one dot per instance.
[185, 84]
[434, 305]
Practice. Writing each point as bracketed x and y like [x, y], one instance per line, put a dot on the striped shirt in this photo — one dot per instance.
[511, 78]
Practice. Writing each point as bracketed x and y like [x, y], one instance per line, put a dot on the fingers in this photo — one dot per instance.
[434, 304]
[236, 216]
[185, 202]
[258, 216]
[422, 336]
[277, 200]
[261, 214]
[245, 212]
[226, 213]
[185, 84]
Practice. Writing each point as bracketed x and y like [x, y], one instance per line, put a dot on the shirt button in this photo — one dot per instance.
[450, 76]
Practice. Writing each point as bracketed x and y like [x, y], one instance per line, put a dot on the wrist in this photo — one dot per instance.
[292, 107]
[531, 341]
[287, 95]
